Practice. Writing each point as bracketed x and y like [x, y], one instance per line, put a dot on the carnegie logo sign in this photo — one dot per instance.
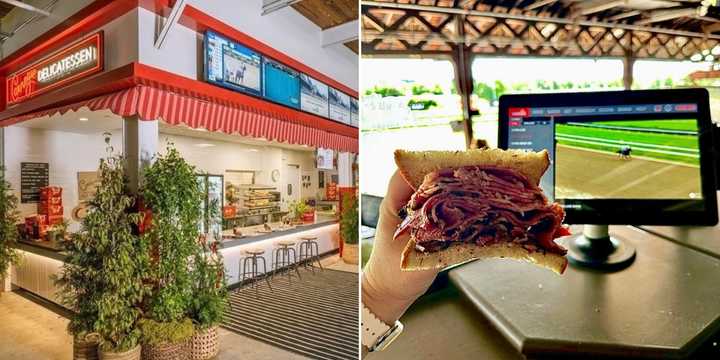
[74, 62]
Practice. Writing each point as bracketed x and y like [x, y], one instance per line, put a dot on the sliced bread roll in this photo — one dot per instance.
[414, 165]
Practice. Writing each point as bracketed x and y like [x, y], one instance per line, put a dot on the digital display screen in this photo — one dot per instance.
[232, 65]
[339, 106]
[282, 84]
[313, 96]
[641, 151]
[354, 111]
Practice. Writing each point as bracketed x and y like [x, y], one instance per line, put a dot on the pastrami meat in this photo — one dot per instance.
[484, 205]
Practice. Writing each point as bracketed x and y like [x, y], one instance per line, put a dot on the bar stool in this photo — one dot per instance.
[251, 259]
[311, 254]
[285, 259]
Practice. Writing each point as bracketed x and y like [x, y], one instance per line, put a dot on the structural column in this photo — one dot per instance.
[462, 58]
[345, 169]
[628, 64]
[140, 144]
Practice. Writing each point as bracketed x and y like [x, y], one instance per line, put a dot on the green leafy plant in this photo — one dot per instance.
[172, 193]
[160, 333]
[209, 280]
[9, 217]
[426, 103]
[349, 220]
[102, 278]
[299, 208]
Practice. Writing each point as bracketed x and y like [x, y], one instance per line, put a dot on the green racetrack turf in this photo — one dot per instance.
[688, 125]
[685, 141]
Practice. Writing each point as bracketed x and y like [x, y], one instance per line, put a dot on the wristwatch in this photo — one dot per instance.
[376, 335]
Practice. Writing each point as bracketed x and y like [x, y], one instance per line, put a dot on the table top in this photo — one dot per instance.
[665, 303]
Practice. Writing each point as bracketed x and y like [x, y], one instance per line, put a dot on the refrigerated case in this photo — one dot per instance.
[212, 189]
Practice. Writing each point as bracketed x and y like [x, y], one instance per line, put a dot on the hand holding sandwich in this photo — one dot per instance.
[388, 291]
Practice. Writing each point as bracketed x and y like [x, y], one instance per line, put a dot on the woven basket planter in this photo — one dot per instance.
[132, 354]
[205, 344]
[86, 347]
[178, 351]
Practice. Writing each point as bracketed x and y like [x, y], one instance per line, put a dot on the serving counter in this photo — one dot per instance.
[42, 259]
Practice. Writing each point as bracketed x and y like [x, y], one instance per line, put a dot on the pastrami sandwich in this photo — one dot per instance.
[478, 204]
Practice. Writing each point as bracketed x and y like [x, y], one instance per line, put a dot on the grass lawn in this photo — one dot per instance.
[684, 141]
[688, 125]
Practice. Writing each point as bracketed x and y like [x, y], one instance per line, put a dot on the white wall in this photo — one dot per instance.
[285, 30]
[67, 153]
[223, 156]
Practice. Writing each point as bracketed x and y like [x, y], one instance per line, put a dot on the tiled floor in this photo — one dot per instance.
[30, 331]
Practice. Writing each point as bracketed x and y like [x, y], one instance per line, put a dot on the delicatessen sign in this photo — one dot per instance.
[81, 59]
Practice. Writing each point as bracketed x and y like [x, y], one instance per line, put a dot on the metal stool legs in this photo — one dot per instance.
[310, 255]
[286, 261]
[250, 271]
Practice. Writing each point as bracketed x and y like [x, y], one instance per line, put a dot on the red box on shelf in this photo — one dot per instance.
[57, 200]
[36, 220]
[53, 210]
[229, 211]
[50, 192]
[55, 220]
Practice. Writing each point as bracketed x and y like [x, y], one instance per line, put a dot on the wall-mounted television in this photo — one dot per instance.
[232, 65]
[339, 106]
[354, 112]
[313, 96]
[282, 84]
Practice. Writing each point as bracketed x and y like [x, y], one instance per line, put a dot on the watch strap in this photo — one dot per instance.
[372, 328]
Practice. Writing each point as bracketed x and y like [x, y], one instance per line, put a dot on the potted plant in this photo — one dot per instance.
[102, 277]
[298, 209]
[171, 192]
[8, 228]
[349, 229]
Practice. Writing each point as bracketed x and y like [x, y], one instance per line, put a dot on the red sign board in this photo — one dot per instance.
[81, 59]
[519, 112]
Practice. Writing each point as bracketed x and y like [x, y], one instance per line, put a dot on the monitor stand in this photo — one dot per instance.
[596, 249]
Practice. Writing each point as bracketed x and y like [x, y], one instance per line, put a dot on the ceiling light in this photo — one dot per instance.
[204, 145]
[83, 119]
[253, 150]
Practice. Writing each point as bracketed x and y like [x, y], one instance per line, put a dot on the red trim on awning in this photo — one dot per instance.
[150, 103]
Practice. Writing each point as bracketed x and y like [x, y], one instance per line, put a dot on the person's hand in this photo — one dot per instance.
[388, 291]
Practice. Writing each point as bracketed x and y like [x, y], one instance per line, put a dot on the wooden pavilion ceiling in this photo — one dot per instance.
[663, 29]
[330, 13]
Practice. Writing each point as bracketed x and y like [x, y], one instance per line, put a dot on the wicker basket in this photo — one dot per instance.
[205, 343]
[132, 354]
[179, 351]
[86, 347]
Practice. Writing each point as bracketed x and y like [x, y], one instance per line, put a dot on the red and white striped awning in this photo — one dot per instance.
[150, 103]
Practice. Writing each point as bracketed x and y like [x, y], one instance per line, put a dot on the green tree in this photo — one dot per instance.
[170, 190]
[669, 83]
[437, 90]
[500, 89]
[484, 91]
[420, 89]
[9, 216]
[387, 91]
[102, 277]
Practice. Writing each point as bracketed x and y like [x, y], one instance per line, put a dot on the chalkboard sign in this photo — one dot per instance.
[33, 177]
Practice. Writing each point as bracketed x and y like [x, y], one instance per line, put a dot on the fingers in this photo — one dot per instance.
[398, 194]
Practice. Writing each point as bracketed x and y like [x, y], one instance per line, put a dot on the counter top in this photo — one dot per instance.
[42, 248]
[230, 241]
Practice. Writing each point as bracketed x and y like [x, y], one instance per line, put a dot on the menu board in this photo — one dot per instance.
[33, 177]
[339, 106]
[282, 84]
[354, 111]
[232, 65]
[325, 159]
[313, 96]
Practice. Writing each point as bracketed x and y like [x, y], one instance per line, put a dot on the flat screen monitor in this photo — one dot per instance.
[354, 111]
[232, 65]
[620, 157]
[282, 84]
[313, 96]
[339, 109]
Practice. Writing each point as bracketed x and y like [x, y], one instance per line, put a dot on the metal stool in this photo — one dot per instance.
[311, 254]
[283, 260]
[251, 259]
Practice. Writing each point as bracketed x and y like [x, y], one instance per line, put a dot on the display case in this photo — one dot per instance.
[212, 189]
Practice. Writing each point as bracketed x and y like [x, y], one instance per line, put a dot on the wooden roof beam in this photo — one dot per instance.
[591, 7]
[624, 15]
[538, 4]
[664, 15]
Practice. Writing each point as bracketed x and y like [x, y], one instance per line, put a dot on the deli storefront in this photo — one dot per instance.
[274, 141]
